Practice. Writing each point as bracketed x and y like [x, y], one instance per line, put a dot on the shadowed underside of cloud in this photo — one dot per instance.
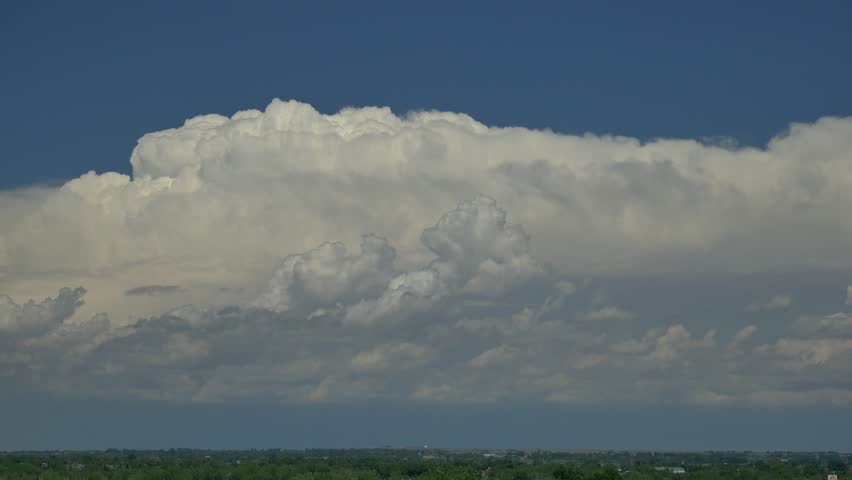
[153, 290]
[334, 326]
[461, 310]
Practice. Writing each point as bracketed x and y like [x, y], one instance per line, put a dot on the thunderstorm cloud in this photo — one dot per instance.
[362, 255]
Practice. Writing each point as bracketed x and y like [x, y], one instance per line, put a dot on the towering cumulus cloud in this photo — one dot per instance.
[476, 253]
[328, 275]
[228, 264]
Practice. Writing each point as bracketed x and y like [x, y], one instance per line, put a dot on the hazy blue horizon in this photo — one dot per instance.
[102, 425]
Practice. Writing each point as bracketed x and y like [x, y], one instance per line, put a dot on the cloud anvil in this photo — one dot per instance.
[222, 267]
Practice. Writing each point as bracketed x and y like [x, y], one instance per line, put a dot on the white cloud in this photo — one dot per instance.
[635, 346]
[676, 342]
[478, 250]
[328, 275]
[398, 355]
[742, 336]
[709, 398]
[37, 341]
[777, 302]
[836, 325]
[211, 354]
[406, 295]
[565, 287]
[477, 253]
[607, 313]
[214, 202]
[493, 356]
[458, 311]
[809, 352]
[34, 318]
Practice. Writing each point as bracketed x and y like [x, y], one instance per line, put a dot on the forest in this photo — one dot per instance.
[422, 463]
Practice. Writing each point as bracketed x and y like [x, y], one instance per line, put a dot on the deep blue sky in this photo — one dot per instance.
[81, 81]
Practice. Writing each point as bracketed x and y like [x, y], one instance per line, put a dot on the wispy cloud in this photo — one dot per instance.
[777, 302]
[153, 290]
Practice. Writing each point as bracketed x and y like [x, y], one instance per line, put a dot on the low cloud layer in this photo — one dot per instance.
[460, 328]
[315, 257]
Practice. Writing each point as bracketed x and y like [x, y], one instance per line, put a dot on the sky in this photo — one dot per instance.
[556, 225]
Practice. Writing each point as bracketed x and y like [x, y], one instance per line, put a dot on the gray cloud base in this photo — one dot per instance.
[153, 290]
[464, 328]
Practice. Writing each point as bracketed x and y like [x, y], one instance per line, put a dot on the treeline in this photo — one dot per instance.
[412, 464]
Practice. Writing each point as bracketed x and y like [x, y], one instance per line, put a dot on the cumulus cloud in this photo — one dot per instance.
[477, 250]
[829, 326]
[607, 313]
[37, 341]
[392, 355]
[675, 342]
[777, 302]
[809, 352]
[218, 200]
[477, 253]
[328, 275]
[209, 354]
[32, 318]
[742, 336]
[493, 356]
[408, 294]
[636, 345]
[222, 267]
[289, 342]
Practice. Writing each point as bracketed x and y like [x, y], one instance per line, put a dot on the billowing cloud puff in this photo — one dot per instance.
[462, 354]
[37, 341]
[396, 355]
[407, 294]
[829, 326]
[742, 336]
[217, 201]
[328, 275]
[675, 342]
[222, 269]
[775, 303]
[295, 341]
[608, 313]
[493, 356]
[32, 318]
[477, 253]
